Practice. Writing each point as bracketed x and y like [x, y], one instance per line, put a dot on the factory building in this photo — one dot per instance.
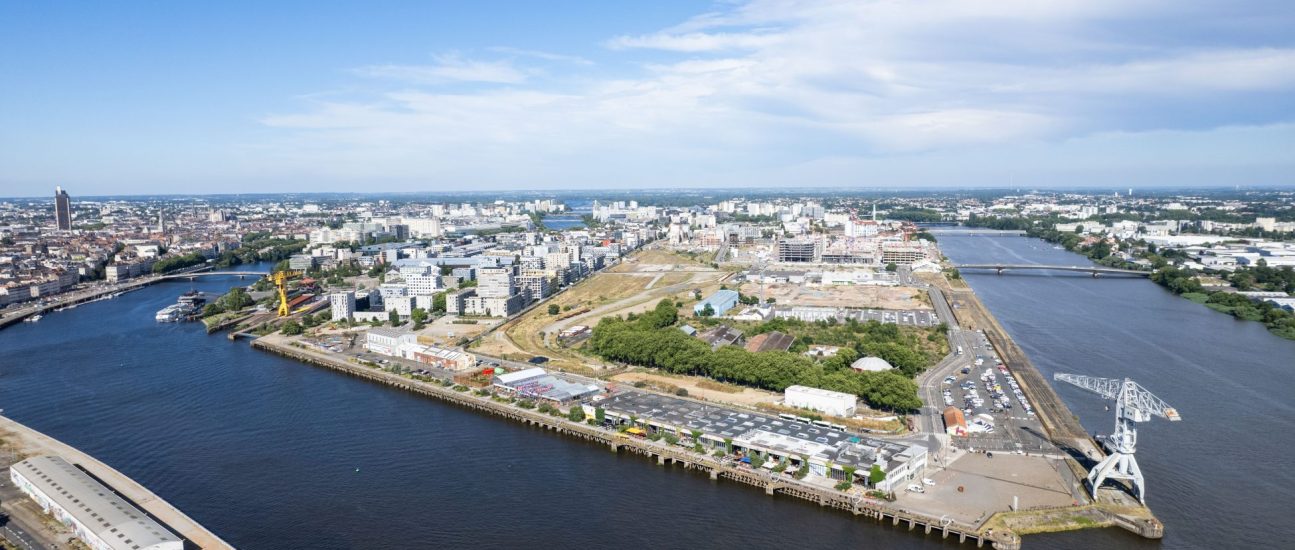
[720, 302]
[100, 518]
[830, 402]
[537, 383]
[829, 451]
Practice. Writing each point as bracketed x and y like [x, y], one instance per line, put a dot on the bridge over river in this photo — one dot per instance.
[1095, 271]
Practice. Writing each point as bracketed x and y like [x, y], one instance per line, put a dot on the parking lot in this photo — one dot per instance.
[999, 415]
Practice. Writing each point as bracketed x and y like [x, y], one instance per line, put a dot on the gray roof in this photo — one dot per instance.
[790, 437]
[112, 519]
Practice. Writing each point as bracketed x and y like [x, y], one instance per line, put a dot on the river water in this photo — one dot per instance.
[270, 453]
[1220, 478]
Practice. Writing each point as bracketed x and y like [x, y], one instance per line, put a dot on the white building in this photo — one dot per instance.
[386, 341]
[830, 402]
[100, 518]
[343, 305]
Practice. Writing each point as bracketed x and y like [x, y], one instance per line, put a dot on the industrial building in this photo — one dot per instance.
[720, 302]
[100, 518]
[830, 402]
[828, 451]
[537, 383]
[405, 345]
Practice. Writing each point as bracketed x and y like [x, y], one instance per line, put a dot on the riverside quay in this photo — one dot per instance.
[828, 452]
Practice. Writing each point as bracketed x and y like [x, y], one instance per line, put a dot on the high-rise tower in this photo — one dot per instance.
[62, 209]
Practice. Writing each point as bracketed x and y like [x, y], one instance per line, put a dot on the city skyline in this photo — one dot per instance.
[392, 98]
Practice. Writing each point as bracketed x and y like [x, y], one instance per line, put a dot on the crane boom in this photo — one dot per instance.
[1133, 403]
[1132, 395]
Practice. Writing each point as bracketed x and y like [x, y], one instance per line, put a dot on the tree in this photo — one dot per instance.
[576, 413]
[554, 309]
[876, 475]
[438, 303]
[291, 328]
[891, 267]
[600, 415]
[394, 318]
[418, 315]
[708, 311]
[728, 445]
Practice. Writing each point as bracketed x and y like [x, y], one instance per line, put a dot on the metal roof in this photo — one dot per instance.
[113, 520]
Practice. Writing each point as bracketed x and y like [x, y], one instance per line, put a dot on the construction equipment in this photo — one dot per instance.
[1133, 403]
[280, 279]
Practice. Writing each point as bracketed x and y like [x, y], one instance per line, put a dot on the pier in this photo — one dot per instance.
[663, 454]
[31, 442]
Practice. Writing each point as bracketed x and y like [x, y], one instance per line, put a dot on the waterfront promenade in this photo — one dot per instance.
[29, 442]
[79, 296]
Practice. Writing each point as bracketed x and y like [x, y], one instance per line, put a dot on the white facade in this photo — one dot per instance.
[343, 305]
[830, 402]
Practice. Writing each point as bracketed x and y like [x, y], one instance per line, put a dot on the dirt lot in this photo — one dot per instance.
[656, 261]
[615, 292]
[989, 484]
[881, 297]
[445, 331]
[743, 396]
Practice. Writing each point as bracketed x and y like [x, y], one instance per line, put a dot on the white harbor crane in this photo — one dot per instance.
[1133, 403]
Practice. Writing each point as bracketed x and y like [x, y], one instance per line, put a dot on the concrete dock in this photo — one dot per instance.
[32, 443]
[664, 454]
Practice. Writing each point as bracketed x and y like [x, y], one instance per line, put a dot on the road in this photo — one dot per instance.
[82, 293]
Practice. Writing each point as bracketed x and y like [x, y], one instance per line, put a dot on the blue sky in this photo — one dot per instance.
[155, 97]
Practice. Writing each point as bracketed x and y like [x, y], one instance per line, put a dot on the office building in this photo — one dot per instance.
[62, 209]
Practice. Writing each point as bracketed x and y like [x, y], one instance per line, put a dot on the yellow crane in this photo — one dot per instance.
[280, 279]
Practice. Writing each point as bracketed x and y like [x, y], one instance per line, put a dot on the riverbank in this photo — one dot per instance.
[1165, 271]
[1063, 428]
[27, 442]
[89, 295]
[663, 453]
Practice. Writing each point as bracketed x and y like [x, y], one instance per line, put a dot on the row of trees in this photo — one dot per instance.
[651, 341]
[260, 247]
[178, 262]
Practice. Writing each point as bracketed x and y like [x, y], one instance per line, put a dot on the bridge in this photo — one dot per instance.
[239, 274]
[977, 232]
[1095, 271]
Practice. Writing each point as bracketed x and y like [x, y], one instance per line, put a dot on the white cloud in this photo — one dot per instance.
[782, 84]
[698, 41]
[448, 68]
[547, 56]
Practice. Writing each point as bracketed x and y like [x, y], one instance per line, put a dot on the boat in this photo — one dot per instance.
[184, 309]
[170, 314]
[33, 318]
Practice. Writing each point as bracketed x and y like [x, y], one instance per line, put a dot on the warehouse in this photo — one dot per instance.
[537, 383]
[829, 451]
[830, 402]
[720, 302]
[100, 518]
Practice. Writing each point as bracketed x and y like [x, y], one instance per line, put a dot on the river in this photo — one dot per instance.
[270, 453]
[1221, 478]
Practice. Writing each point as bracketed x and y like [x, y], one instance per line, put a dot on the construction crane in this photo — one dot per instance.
[280, 279]
[1133, 403]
